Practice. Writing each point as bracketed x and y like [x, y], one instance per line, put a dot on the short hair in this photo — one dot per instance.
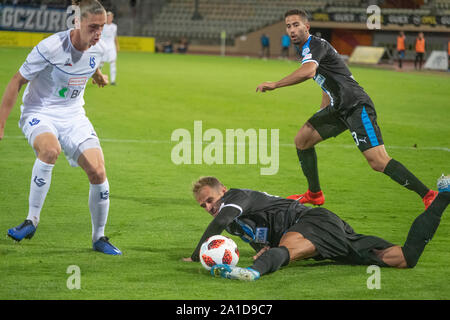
[297, 12]
[89, 7]
[205, 181]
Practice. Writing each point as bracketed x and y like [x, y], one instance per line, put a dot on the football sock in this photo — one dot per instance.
[99, 207]
[397, 172]
[113, 71]
[308, 161]
[424, 228]
[271, 260]
[40, 184]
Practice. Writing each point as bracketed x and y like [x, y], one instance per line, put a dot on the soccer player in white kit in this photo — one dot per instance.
[109, 35]
[53, 118]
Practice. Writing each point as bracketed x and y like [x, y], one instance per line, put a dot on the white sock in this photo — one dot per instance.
[99, 207]
[113, 71]
[40, 184]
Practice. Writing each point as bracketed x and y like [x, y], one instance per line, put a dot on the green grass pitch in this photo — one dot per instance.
[155, 221]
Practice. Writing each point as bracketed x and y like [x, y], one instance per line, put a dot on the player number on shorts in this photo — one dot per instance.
[355, 137]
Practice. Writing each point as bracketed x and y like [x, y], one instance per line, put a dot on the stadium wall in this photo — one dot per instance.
[343, 36]
[31, 39]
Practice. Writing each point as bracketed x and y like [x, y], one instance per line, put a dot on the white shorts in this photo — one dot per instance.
[111, 55]
[75, 135]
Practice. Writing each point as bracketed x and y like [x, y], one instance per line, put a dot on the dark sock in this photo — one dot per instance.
[424, 228]
[397, 172]
[271, 260]
[308, 161]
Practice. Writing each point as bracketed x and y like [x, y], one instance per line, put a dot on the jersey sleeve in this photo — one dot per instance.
[235, 202]
[35, 63]
[314, 51]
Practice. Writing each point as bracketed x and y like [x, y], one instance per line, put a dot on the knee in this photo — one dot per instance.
[377, 165]
[50, 154]
[97, 174]
[378, 162]
[307, 137]
[300, 142]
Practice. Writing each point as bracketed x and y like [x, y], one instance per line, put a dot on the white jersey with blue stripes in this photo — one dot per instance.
[58, 74]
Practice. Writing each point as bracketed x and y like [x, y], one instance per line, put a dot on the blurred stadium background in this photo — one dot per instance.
[239, 24]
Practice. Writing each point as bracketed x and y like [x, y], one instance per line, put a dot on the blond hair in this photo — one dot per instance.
[89, 7]
[205, 181]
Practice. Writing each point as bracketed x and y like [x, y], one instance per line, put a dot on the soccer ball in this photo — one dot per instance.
[218, 250]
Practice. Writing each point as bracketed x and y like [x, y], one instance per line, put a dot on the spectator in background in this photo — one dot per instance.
[168, 47]
[183, 45]
[401, 48]
[265, 44]
[448, 52]
[420, 51]
[285, 44]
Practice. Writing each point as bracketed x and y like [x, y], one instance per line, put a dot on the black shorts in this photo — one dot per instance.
[361, 120]
[336, 240]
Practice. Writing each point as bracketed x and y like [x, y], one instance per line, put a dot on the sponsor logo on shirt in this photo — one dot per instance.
[80, 81]
[62, 93]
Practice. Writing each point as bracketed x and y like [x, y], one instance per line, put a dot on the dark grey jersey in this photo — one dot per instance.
[257, 217]
[332, 74]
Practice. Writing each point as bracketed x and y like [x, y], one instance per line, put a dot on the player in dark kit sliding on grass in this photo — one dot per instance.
[283, 230]
[345, 106]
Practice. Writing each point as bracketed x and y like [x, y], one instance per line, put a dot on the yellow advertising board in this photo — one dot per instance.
[31, 39]
[367, 55]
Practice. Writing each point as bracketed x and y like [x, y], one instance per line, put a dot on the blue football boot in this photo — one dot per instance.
[103, 245]
[235, 273]
[25, 230]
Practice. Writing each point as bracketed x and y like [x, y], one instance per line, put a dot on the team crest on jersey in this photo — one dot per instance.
[92, 62]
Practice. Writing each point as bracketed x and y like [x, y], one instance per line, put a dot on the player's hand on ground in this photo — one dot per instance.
[266, 86]
[261, 252]
[187, 259]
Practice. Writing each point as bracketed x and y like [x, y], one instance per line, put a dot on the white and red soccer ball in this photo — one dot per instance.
[218, 250]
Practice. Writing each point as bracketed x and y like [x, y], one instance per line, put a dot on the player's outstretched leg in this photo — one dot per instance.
[380, 161]
[425, 225]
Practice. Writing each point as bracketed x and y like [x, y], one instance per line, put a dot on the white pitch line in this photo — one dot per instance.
[287, 145]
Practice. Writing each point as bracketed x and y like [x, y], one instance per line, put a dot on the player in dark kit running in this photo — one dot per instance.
[283, 230]
[345, 106]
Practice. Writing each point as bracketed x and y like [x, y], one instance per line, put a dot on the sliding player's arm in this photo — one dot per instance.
[305, 72]
[9, 99]
[217, 226]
